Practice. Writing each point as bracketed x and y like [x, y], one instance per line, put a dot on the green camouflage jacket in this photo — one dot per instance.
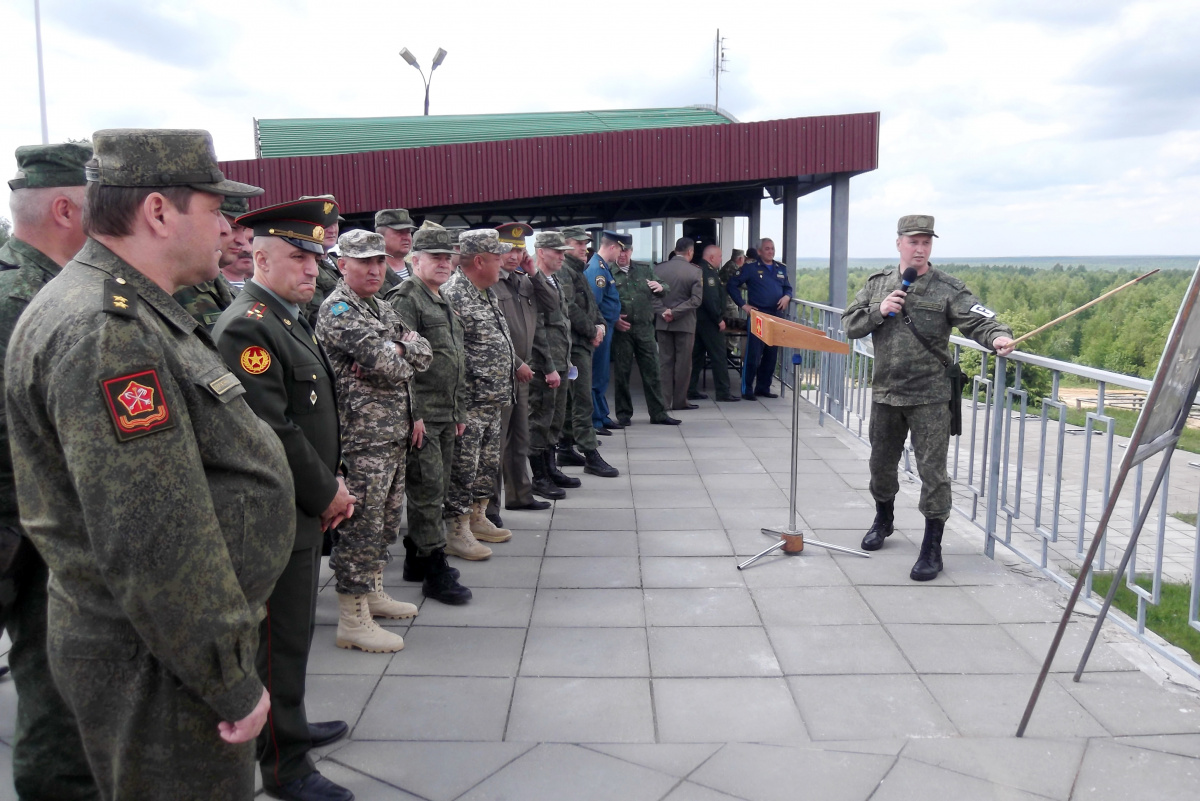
[552, 337]
[206, 301]
[439, 394]
[489, 360]
[581, 303]
[637, 300]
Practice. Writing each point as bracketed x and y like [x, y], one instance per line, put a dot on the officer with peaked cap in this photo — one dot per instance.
[289, 383]
[327, 269]
[396, 226]
[47, 210]
[910, 391]
[162, 505]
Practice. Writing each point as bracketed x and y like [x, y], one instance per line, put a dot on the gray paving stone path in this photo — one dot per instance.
[613, 652]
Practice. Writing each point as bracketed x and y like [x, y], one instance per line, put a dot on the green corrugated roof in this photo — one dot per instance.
[323, 137]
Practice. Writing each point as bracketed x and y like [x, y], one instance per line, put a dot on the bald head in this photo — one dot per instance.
[712, 255]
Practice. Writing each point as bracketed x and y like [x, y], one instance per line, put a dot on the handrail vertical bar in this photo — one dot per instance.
[994, 457]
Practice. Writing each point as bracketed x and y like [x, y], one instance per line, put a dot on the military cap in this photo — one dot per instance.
[301, 223]
[361, 244]
[915, 224]
[482, 240]
[736, 253]
[160, 157]
[514, 233]
[552, 240]
[394, 218]
[433, 238]
[235, 206]
[46, 166]
[576, 232]
[330, 198]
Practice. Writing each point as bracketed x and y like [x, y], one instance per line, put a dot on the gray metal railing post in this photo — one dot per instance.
[993, 476]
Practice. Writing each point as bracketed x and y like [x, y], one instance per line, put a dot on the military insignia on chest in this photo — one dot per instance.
[136, 404]
[255, 360]
[256, 311]
[712, 281]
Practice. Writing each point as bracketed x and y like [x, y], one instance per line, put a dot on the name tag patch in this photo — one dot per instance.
[982, 311]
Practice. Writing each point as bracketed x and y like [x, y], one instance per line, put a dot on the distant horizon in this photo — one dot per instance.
[1133, 262]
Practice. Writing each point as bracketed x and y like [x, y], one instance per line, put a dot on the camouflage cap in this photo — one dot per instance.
[576, 232]
[399, 219]
[514, 233]
[551, 240]
[482, 240]
[160, 157]
[432, 238]
[361, 244]
[915, 224]
[46, 166]
[235, 206]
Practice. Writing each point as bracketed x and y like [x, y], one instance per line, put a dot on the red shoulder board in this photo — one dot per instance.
[137, 405]
[256, 311]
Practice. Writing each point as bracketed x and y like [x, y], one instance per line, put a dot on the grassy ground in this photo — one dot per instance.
[1187, 517]
[1124, 421]
[1168, 620]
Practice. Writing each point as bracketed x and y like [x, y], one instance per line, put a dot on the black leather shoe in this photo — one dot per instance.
[441, 581]
[667, 420]
[565, 453]
[598, 467]
[697, 396]
[534, 506]
[747, 396]
[728, 399]
[929, 563]
[542, 485]
[557, 476]
[686, 406]
[328, 732]
[313, 787]
[882, 527]
[415, 566]
[625, 422]
[767, 394]
[608, 423]
[604, 432]
[495, 518]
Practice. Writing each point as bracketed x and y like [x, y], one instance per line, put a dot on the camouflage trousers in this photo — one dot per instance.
[375, 476]
[547, 412]
[476, 460]
[428, 482]
[929, 424]
[637, 344]
[579, 428]
[145, 736]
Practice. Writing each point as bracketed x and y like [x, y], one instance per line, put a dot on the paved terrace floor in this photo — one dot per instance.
[613, 652]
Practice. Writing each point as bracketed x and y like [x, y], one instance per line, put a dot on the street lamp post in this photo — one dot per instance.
[438, 58]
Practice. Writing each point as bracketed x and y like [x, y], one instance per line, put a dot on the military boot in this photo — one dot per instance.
[542, 485]
[381, 604]
[485, 529]
[598, 467]
[461, 542]
[356, 629]
[885, 516]
[929, 563]
[415, 566]
[566, 454]
[441, 580]
[559, 478]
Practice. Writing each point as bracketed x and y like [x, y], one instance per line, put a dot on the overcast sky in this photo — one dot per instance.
[1028, 127]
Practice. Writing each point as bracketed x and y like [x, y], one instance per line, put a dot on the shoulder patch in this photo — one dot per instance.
[712, 281]
[601, 281]
[339, 308]
[982, 311]
[120, 299]
[256, 311]
[136, 404]
[255, 360]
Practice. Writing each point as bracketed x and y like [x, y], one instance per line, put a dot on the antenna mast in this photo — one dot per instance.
[718, 67]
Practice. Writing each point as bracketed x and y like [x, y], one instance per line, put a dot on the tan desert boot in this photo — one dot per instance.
[462, 543]
[485, 529]
[356, 629]
[383, 605]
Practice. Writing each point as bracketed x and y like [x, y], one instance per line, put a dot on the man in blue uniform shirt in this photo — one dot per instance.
[769, 291]
[600, 278]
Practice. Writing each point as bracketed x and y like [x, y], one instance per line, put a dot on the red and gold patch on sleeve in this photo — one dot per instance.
[137, 405]
[255, 360]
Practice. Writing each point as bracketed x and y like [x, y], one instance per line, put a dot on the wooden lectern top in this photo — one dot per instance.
[786, 334]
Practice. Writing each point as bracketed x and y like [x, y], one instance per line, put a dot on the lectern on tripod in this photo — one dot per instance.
[786, 334]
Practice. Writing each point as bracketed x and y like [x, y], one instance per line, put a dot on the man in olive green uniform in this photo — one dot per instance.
[734, 317]
[710, 341]
[161, 504]
[910, 391]
[47, 207]
[396, 226]
[675, 321]
[327, 271]
[587, 331]
[289, 382]
[374, 356]
[439, 413]
[634, 339]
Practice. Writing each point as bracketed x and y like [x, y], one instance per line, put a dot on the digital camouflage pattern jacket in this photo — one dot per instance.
[489, 359]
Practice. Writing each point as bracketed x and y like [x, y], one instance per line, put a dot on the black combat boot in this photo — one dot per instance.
[566, 454]
[597, 466]
[441, 581]
[542, 485]
[929, 563]
[885, 515]
[559, 478]
[415, 566]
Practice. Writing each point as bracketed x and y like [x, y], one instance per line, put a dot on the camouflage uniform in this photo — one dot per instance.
[910, 391]
[639, 342]
[376, 425]
[551, 351]
[490, 364]
[585, 316]
[206, 301]
[728, 270]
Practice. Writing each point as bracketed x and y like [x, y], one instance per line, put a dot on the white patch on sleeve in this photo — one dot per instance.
[982, 311]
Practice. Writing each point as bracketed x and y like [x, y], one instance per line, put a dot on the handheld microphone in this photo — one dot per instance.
[907, 279]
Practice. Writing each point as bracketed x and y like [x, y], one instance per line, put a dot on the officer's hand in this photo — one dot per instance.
[340, 508]
[783, 303]
[623, 323]
[600, 330]
[246, 729]
[524, 374]
[893, 303]
[747, 308]
[1002, 345]
[721, 326]
[553, 379]
[418, 434]
[655, 287]
[668, 315]
[459, 428]
[357, 369]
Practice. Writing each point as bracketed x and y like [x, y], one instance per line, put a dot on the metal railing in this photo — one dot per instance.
[1027, 478]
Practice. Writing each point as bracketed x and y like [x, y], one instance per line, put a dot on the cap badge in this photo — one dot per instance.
[318, 231]
[328, 208]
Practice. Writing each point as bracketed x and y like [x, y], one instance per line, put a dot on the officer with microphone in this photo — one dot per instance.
[909, 312]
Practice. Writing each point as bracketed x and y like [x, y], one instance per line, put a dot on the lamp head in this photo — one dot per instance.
[438, 58]
[410, 58]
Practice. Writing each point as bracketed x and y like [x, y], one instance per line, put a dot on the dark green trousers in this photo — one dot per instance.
[578, 426]
[284, 640]
[547, 411]
[640, 345]
[710, 343]
[930, 427]
[48, 759]
[426, 486]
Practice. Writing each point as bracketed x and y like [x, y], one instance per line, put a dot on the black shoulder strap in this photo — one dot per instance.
[941, 357]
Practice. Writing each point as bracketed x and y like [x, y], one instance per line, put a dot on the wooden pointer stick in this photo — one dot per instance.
[1087, 305]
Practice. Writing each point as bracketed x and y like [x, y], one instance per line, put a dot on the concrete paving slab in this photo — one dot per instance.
[711, 651]
[689, 571]
[811, 568]
[338, 697]
[593, 543]
[489, 606]
[1044, 767]
[589, 607]
[436, 708]
[600, 652]
[992, 706]
[701, 542]
[1112, 770]
[686, 791]
[716, 606]
[455, 651]
[364, 787]
[576, 572]
[435, 771]
[581, 710]
[588, 498]
[849, 707]
[694, 498]
[910, 780]
[1015, 603]
[324, 657]
[666, 483]
[500, 571]
[827, 650]
[961, 649]
[1132, 703]
[916, 604]
[553, 772]
[1187, 745]
[675, 759]
[726, 710]
[1036, 638]
[774, 773]
[811, 606]
[677, 519]
[593, 520]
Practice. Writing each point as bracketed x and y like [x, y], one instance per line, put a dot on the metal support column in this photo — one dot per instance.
[839, 245]
[754, 225]
[791, 228]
